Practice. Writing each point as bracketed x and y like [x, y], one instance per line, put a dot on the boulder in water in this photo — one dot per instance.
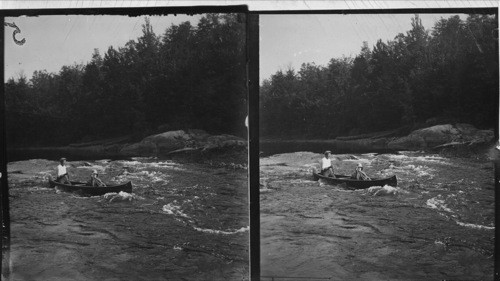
[382, 190]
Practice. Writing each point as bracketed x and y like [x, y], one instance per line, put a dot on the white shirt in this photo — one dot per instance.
[61, 170]
[325, 163]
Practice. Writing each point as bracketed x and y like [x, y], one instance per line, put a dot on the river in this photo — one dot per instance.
[438, 223]
[183, 221]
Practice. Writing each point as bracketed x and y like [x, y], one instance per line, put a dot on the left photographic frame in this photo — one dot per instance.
[125, 149]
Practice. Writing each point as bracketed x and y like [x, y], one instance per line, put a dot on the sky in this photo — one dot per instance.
[290, 40]
[285, 40]
[55, 41]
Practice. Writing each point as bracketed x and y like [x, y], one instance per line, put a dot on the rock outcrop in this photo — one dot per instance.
[164, 144]
[183, 141]
[434, 137]
[442, 135]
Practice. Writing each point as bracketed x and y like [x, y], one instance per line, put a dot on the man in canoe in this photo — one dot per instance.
[326, 165]
[359, 174]
[95, 180]
[62, 174]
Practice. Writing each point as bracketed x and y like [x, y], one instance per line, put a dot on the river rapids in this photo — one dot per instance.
[438, 223]
[183, 221]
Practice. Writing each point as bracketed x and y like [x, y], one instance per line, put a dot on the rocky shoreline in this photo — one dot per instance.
[197, 144]
[435, 138]
[170, 144]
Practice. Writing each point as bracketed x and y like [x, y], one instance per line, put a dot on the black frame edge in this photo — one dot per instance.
[128, 11]
[4, 190]
[253, 127]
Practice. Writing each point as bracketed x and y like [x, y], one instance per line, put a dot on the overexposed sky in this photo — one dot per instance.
[290, 40]
[285, 40]
[54, 41]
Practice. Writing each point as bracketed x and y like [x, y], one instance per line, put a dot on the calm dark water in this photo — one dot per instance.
[438, 223]
[181, 222]
[20, 154]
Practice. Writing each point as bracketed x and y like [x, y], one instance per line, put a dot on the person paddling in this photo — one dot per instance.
[62, 174]
[359, 174]
[326, 165]
[95, 180]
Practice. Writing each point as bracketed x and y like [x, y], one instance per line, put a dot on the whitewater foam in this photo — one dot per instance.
[142, 175]
[214, 231]
[173, 209]
[438, 204]
[365, 162]
[475, 226]
[407, 157]
[128, 163]
[85, 197]
[383, 190]
[92, 167]
[419, 170]
[121, 196]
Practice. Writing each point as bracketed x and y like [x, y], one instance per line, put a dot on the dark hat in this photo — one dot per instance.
[328, 151]
[62, 159]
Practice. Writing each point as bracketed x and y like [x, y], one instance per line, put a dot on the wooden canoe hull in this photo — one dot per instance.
[83, 188]
[357, 184]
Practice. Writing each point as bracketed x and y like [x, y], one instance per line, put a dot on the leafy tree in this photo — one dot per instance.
[189, 77]
[449, 74]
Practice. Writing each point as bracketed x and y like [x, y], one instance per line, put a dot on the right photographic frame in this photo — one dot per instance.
[377, 137]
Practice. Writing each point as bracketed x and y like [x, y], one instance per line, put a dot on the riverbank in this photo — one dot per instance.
[194, 145]
[447, 138]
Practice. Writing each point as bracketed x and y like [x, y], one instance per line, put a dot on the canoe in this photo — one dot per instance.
[357, 184]
[83, 188]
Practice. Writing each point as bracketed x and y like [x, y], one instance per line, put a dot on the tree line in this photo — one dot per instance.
[191, 76]
[421, 77]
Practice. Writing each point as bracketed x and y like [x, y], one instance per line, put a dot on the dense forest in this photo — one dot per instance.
[424, 77]
[190, 77]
